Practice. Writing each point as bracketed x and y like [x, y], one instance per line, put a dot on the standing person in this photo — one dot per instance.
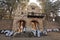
[35, 29]
[38, 32]
[20, 29]
[22, 26]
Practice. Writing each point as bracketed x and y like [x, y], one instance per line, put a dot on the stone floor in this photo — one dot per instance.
[50, 36]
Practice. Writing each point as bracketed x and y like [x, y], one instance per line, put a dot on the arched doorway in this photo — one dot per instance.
[35, 25]
[22, 24]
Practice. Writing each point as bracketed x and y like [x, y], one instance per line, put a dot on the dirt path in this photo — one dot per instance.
[51, 36]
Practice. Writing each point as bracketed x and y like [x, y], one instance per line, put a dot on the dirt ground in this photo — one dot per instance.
[50, 36]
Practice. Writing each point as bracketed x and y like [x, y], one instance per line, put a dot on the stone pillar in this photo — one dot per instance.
[41, 24]
[15, 25]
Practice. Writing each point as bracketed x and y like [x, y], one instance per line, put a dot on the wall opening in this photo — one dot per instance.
[35, 25]
[21, 26]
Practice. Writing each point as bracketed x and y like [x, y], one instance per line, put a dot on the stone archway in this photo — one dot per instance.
[35, 25]
[21, 26]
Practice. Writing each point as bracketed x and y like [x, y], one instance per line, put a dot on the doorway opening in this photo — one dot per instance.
[22, 24]
[35, 25]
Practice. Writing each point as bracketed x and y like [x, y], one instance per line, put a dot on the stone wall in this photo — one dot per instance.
[28, 22]
[6, 24]
[21, 14]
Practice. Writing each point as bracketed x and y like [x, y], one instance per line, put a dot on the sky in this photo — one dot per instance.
[53, 0]
[34, 1]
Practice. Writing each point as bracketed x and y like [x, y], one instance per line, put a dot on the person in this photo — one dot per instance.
[9, 33]
[45, 32]
[22, 27]
[38, 33]
[2, 31]
[35, 30]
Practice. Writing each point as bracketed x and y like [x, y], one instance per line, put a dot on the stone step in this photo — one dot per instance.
[24, 34]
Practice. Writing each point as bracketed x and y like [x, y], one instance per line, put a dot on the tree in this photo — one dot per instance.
[51, 7]
[8, 5]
